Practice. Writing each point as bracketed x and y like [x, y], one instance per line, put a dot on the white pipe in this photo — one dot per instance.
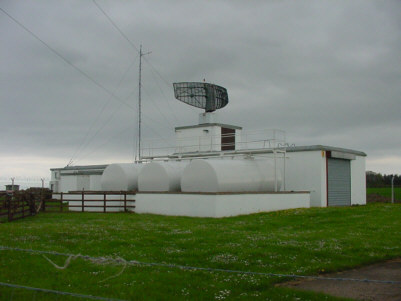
[284, 158]
[275, 171]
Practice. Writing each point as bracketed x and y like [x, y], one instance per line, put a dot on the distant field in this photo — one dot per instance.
[302, 241]
[385, 191]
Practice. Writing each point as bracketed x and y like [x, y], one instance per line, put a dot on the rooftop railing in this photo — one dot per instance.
[260, 139]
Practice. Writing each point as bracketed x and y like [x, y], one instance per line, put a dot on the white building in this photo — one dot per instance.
[217, 170]
[334, 176]
[76, 178]
[305, 176]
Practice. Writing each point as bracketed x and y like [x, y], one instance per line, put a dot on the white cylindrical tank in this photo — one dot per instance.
[239, 175]
[121, 177]
[161, 176]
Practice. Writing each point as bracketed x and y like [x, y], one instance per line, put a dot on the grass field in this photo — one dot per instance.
[385, 191]
[302, 241]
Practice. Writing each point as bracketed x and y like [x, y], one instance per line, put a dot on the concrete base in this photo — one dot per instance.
[218, 204]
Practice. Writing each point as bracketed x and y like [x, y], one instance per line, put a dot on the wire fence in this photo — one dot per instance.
[24, 182]
[12, 291]
[120, 260]
[13, 295]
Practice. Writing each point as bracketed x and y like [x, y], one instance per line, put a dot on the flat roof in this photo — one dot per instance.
[325, 148]
[242, 151]
[209, 124]
[266, 151]
[81, 167]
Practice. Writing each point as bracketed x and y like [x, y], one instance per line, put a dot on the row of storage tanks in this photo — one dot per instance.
[199, 175]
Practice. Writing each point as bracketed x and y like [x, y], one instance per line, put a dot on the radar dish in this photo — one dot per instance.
[201, 95]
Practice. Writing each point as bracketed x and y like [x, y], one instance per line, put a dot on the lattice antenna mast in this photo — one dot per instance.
[141, 54]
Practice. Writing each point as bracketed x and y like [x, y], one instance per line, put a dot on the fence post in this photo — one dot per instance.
[104, 202]
[392, 189]
[31, 204]
[22, 200]
[83, 199]
[8, 199]
[43, 203]
[41, 198]
[125, 201]
[61, 202]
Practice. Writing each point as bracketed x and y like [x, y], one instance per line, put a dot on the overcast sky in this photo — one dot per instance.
[326, 72]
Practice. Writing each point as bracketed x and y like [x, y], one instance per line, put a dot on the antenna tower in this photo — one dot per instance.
[141, 54]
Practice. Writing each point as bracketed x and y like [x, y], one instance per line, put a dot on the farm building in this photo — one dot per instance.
[219, 170]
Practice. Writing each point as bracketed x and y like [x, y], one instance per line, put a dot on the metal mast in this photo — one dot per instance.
[141, 54]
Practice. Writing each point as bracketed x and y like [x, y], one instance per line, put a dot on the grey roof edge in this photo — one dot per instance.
[260, 151]
[266, 150]
[288, 149]
[324, 148]
[81, 167]
[208, 124]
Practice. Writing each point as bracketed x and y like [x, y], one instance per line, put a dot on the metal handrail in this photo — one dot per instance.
[260, 139]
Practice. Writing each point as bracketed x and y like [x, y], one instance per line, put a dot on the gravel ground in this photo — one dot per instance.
[387, 271]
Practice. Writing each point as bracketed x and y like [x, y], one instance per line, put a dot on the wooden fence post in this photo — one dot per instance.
[10, 216]
[61, 202]
[41, 198]
[104, 203]
[125, 202]
[31, 204]
[43, 203]
[21, 200]
[83, 199]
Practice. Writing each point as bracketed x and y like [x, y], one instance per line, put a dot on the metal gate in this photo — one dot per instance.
[338, 182]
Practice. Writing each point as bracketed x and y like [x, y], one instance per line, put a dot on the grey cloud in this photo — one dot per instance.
[326, 72]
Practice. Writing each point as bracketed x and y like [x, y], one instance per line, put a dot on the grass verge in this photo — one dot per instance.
[385, 191]
[301, 241]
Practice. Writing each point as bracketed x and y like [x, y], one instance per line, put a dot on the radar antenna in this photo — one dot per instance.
[201, 95]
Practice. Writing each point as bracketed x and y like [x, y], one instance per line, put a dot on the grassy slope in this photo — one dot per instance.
[385, 191]
[307, 241]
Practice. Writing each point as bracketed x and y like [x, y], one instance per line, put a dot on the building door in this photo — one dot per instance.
[338, 182]
[83, 182]
[227, 139]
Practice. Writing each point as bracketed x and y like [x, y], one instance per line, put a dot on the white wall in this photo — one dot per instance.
[358, 181]
[95, 183]
[54, 181]
[307, 171]
[83, 182]
[67, 183]
[217, 205]
[197, 139]
[231, 205]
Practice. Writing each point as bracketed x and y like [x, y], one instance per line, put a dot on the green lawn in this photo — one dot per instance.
[385, 191]
[303, 241]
